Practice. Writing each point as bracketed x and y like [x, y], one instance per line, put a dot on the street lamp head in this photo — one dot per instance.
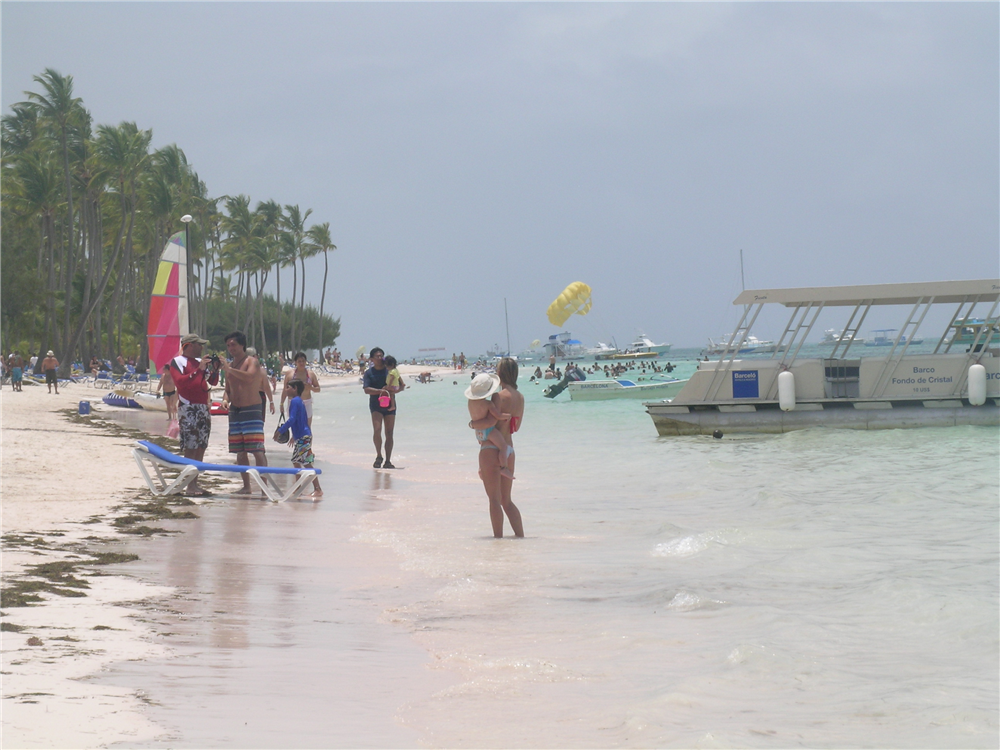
[186, 218]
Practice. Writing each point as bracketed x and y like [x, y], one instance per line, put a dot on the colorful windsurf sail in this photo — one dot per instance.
[168, 305]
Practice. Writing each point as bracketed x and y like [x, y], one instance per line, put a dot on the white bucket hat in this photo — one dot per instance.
[483, 386]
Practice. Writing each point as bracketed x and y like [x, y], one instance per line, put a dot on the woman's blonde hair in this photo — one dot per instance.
[507, 372]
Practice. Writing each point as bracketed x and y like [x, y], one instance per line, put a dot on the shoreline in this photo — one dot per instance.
[57, 521]
[50, 648]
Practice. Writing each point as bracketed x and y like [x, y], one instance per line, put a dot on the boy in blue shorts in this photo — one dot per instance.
[298, 425]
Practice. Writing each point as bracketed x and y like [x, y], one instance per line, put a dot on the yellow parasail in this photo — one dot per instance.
[574, 299]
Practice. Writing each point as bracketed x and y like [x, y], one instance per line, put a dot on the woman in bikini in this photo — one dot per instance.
[498, 487]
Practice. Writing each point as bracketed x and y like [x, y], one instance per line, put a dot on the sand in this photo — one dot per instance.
[64, 480]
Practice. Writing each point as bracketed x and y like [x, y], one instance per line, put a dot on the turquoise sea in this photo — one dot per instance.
[821, 588]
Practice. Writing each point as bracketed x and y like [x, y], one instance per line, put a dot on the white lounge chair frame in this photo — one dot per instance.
[162, 486]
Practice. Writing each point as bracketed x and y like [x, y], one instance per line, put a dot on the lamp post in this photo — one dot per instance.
[187, 219]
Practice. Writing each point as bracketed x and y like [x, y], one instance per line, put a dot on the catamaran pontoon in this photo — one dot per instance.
[955, 384]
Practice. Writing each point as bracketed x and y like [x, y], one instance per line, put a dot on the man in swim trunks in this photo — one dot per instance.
[246, 412]
[309, 380]
[49, 366]
[374, 386]
[16, 371]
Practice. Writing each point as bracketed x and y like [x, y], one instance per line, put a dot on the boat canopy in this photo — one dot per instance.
[982, 290]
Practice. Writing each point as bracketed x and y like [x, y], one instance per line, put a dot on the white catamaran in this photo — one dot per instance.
[957, 383]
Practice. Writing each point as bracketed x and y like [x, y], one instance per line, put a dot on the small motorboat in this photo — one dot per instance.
[121, 398]
[600, 390]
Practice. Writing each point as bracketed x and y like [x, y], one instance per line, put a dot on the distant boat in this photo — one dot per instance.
[643, 344]
[883, 337]
[833, 336]
[751, 345]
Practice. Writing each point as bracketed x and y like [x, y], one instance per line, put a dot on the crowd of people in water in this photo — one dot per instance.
[614, 370]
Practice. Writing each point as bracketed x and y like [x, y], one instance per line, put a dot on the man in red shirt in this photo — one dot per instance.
[193, 380]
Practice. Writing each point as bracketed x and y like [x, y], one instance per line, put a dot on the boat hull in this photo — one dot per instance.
[122, 399]
[150, 401]
[671, 420]
[602, 390]
[625, 356]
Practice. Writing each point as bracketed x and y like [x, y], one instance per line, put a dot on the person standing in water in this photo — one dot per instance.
[498, 488]
[246, 413]
[382, 416]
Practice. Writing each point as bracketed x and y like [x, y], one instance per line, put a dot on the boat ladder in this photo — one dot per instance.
[736, 341]
[796, 331]
[906, 335]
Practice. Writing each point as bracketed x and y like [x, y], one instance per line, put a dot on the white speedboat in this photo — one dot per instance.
[884, 388]
[599, 390]
[749, 345]
[833, 336]
[643, 345]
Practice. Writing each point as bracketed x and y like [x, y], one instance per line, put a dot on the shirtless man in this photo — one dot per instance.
[246, 413]
[310, 381]
[49, 366]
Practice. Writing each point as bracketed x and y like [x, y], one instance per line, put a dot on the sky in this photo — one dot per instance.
[468, 154]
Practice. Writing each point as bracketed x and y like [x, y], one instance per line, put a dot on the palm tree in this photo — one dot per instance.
[124, 151]
[320, 242]
[295, 224]
[242, 228]
[59, 110]
[34, 191]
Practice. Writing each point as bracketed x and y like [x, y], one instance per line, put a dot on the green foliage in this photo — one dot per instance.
[86, 211]
[222, 313]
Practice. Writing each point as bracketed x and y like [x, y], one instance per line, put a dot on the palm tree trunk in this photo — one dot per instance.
[295, 287]
[322, 299]
[277, 278]
[302, 304]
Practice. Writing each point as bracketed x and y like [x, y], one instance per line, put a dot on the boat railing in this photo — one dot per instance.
[893, 359]
[741, 332]
[797, 337]
[852, 329]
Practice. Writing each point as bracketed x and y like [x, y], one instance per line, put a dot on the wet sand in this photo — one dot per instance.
[265, 648]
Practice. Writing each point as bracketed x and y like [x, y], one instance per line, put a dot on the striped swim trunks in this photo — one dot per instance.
[246, 429]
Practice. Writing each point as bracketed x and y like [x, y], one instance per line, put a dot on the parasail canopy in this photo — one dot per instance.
[575, 299]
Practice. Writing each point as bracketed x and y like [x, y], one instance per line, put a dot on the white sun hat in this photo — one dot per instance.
[483, 386]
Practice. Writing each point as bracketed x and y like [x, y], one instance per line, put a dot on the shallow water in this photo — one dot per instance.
[819, 588]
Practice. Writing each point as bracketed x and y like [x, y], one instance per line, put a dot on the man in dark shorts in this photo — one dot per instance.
[246, 411]
[49, 366]
[374, 386]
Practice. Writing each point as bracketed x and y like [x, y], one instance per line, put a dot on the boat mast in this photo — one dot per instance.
[506, 324]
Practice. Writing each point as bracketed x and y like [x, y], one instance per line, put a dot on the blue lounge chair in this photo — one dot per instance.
[159, 458]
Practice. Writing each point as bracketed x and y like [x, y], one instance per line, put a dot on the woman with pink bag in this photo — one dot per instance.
[381, 405]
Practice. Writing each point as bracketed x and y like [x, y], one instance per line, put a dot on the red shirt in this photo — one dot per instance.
[190, 381]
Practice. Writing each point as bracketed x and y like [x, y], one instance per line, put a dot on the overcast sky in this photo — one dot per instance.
[467, 153]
